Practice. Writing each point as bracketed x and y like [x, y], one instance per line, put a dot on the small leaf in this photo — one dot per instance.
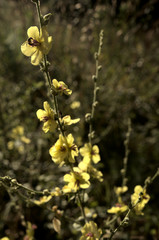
[56, 224]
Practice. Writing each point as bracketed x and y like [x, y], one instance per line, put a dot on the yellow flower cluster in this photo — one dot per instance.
[76, 179]
[90, 155]
[48, 117]
[120, 206]
[139, 193]
[60, 87]
[64, 150]
[90, 231]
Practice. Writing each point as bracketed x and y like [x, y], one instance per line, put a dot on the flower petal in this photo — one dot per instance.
[33, 32]
[36, 58]
[46, 106]
[28, 50]
[41, 114]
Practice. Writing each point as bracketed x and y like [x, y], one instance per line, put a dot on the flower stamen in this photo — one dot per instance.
[32, 42]
[89, 234]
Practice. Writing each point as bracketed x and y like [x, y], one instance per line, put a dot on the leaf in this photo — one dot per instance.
[56, 224]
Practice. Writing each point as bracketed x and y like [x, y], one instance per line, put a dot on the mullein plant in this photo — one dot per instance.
[82, 163]
[65, 150]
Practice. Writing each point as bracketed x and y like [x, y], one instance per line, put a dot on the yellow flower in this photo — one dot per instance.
[75, 104]
[118, 208]
[38, 44]
[76, 179]
[93, 172]
[120, 190]
[90, 231]
[43, 200]
[90, 153]
[61, 87]
[64, 150]
[25, 139]
[66, 120]
[56, 192]
[17, 131]
[4, 238]
[139, 192]
[30, 231]
[47, 116]
[17, 134]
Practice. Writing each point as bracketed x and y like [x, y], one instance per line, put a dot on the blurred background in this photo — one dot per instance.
[129, 88]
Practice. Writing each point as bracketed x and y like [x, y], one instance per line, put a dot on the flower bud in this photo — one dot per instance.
[14, 181]
[88, 117]
[126, 222]
[99, 67]
[96, 55]
[95, 103]
[94, 78]
[46, 192]
[46, 19]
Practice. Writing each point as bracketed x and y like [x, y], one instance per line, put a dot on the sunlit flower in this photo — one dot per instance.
[90, 153]
[38, 44]
[64, 150]
[118, 208]
[47, 116]
[93, 172]
[66, 120]
[139, 193]
[76, 179]
[60, 87]
[120, 190]
[90, 231]
[43, 200]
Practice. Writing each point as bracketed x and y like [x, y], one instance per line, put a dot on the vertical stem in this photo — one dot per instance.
[95, 78]
[125, 160]
[39, 12]
[81, 207]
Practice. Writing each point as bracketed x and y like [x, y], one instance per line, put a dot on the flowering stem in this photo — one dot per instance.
[48, 78]
[39, 12]
[46, 71]
[13, 182]
[148, 181]
[95, 78]
[125, 160]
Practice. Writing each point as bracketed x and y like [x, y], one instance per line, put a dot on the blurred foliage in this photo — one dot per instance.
[129, 86]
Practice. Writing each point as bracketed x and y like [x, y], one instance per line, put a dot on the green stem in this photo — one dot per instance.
[39, 12]
[81, 207]
[16, 184]
[95, 78]
[125, 160]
